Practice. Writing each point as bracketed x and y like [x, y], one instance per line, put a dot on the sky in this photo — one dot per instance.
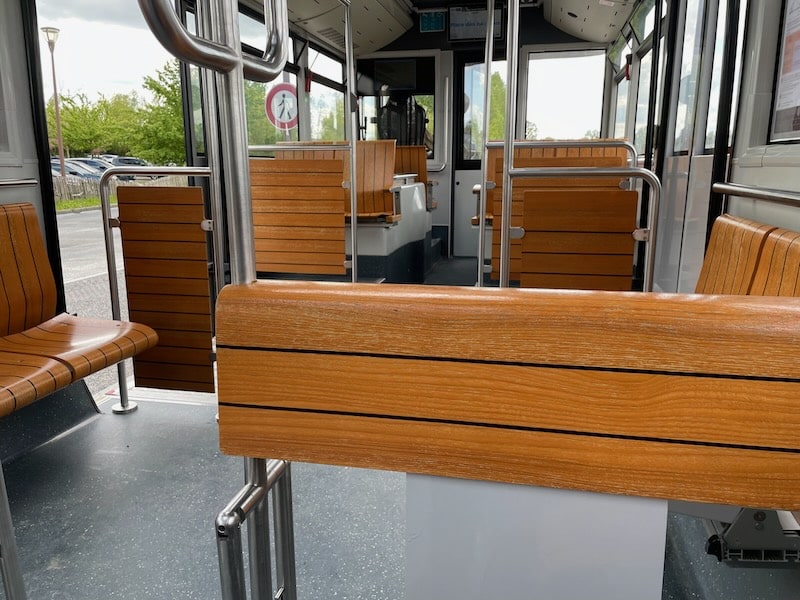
[104, 47]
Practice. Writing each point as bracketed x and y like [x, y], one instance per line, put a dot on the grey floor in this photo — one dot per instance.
[123, 507]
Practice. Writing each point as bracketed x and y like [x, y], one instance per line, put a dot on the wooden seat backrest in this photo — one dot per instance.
[778, 271]
[412, 159]
[167, 280]
[574, 403]
[298, 220]
[538, 157]
[375, 160]
[578, 238]
[28, 288]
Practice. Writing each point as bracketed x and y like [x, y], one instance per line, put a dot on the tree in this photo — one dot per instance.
[497, 107]
[332, 123]
[80, 127]
[160, 138]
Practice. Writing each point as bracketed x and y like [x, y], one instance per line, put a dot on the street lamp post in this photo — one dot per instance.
[52, 35]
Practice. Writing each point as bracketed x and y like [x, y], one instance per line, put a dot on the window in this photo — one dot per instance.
[565, 94]
[259, 129]
[690, 72]
[642, 101]
[621, 113]
[327, 113]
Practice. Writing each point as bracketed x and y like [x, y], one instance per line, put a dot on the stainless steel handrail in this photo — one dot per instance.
[786, 197]
[512, 56]
[18, 182]
[351, 129]
[626, 172]
[165, 24]
[125, 406]
[445, 131]
[487, 101]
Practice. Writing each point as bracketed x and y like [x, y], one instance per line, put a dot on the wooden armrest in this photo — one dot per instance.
[638, 394]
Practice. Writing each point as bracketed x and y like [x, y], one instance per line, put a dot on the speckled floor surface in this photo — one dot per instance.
[124, 508]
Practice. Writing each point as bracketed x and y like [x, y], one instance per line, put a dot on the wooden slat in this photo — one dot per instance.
[578, 264]
[574, 403]
[607, 283]
[580, 210]
[168, 282]
[584, 243]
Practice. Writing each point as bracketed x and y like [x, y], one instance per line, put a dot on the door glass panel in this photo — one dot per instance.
[474, 77]
[565, 95]
[690, 72]
[621, 113]
[643, 101]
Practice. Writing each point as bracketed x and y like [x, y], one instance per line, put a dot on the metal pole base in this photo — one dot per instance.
[119, 409]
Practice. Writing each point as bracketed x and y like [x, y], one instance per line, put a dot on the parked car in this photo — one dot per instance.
[132, 161]
[98, 164]
[74, 169]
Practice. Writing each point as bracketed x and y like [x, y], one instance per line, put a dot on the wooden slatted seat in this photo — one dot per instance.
[524, 157]
[51, 350]
[778, 270]
[375, 169]
[298, 216]
[574, 404]
[26, 378]
[167, 282]
[733, 255]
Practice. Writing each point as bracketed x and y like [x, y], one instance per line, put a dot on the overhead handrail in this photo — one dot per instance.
[165, 24]
[626, 172]
[770, 195]
[125, 406]
[18, 182]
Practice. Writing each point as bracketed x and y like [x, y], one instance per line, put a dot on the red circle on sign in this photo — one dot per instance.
[281, 106]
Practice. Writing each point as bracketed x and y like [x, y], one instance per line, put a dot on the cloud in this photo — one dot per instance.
[116, 12]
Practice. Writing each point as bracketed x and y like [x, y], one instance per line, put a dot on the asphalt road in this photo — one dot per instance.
[83, 258]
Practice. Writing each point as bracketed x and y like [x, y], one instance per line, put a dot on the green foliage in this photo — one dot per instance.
[497, 108]
[124, 125]
[332, 122]
[160, 138]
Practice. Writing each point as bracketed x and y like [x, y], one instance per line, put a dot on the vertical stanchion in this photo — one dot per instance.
[9, 563]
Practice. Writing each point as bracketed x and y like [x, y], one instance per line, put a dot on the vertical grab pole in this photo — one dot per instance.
[258, 533]
[487, 86]
[284, 535]
[512, 56]
[352, 128]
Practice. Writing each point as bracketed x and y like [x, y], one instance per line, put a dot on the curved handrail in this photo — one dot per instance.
[168, 29]
[163, 21]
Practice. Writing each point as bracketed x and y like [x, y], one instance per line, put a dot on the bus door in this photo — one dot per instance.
[469, 140]
[690, 135]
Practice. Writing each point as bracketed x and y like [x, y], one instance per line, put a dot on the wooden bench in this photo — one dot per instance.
[41, 351]
[583, 191]
[629, 393]
[167, 282]
[298, 216]
[375, 169]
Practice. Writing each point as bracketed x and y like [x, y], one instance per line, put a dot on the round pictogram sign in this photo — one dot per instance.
[281, 106]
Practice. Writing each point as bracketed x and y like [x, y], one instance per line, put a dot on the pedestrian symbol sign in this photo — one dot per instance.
[281, 106]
